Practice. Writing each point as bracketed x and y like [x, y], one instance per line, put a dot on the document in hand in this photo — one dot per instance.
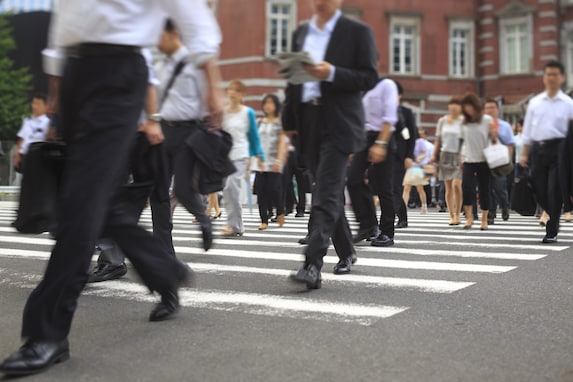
[292, 67]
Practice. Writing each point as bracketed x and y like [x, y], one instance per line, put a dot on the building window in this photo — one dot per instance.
[281, 21]
[404, 43]
[461, 49]
[515, 45]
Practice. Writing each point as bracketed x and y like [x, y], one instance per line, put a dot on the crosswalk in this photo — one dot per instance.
[248, 275]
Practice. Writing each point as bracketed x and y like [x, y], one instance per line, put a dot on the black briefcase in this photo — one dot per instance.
[522, 197]
[40, 186]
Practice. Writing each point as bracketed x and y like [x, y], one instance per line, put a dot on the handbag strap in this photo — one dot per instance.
[176, 71]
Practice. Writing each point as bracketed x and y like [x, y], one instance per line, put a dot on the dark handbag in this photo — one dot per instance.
[39, 189]
[522, 197]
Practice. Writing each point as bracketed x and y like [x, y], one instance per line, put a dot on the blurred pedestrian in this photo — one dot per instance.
[329, 118]
[268, 178]
[34, 129]
[447, 155]
[100, 95]
[477, 132]
[544, 129]
[239, 121]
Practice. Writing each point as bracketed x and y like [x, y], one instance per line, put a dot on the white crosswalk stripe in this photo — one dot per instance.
[429, 257]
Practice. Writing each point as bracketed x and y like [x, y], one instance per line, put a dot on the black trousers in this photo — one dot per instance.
[291, 169]
[268, 189]
[399, 205]
[101, 101]
[470, 173]
[179, 160]
[158, 200]
[380, 182]
[328, 166]
[545, 182]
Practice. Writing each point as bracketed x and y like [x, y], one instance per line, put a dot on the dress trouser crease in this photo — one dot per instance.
[101, 101]
[328, 166]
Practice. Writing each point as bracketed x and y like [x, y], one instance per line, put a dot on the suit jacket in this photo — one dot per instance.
[405, 148]
[352, 51]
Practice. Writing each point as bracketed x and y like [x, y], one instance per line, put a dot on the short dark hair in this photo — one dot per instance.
[556, 65]
[169, 26]
[491, 100]
[520, 121]
[41, 96]
[473, 100]
[276, 101]
[400, 88]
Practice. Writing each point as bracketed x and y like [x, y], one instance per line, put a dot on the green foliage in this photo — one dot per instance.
[14, 86]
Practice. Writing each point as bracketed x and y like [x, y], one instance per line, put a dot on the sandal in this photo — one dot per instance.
[230, 232]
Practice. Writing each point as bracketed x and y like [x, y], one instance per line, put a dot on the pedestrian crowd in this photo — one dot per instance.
[166, 128]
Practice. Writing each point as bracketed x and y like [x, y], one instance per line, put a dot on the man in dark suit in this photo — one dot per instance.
[405, 136]
[329, 118]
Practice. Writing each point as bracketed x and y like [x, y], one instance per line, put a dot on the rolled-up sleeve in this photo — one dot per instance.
[199, 30]
[389, 97]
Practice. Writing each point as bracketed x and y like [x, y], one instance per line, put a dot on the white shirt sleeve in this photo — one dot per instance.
[199, 30]
[526, 134]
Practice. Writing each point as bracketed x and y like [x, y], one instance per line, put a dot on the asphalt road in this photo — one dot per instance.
[443, 304]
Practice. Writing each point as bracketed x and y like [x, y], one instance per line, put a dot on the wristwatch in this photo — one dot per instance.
[155, 117]
[382, 143]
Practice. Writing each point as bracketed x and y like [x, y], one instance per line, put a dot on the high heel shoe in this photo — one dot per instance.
[217, 216]
[230, 232]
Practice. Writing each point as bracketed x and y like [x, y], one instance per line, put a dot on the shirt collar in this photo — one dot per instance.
[180, 54]
[559, 96]
[330, 24]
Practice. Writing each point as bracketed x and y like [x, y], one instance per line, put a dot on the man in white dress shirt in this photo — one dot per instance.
[34, 129]
[544, 130]
[100, 96]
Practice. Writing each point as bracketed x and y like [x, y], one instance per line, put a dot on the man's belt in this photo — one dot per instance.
[549, 142]
[185, 123]
[98, 50]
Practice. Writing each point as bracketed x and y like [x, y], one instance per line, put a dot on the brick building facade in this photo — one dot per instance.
[436, 49]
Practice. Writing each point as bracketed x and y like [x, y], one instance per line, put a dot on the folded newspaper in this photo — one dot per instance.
[292, 67]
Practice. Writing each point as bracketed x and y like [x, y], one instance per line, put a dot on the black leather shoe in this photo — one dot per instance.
[309, 275]
[207, 234]
[363, 234]
[304, 240]
[490, 221]
[401, 224]
[374, 234]
[505, 214]
[549, 239]
[106, 272]
[343, 266]
[299, 215]
[354, 258]
[35, 357]
[274, 219]
[169, 305]
[382, 241]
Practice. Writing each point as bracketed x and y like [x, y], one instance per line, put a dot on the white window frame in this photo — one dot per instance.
[414, 23]
[469, 58]
[290, 18]
[503, 63]
[569, 57]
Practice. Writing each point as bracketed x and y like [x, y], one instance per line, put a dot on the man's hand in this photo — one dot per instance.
[523, 161]
[277, 166]
[408, 163]
[153, 132]
[377, 154]
[53, 95]
[321, 70]
[17, 159]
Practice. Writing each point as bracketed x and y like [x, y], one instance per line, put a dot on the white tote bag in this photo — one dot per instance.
[496, 155]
